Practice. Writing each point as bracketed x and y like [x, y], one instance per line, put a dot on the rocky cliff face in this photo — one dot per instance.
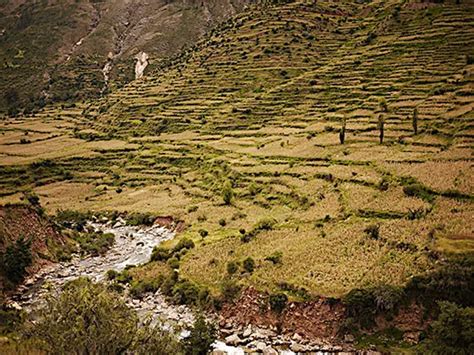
[54, 50]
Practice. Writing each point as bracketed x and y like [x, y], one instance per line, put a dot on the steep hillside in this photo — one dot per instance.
[314, 149]
[26, 223]
[57, 50]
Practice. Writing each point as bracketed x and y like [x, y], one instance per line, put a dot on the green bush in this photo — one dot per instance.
[452, 281]
[185, 292]
[160, 254]
[275, 258]
[16, 259]
[230, 290]
[87, 318]
[232, 267]
[203, 233]
[373, 231]
[184, 243]
[173, 262]
[363, 305]
[420, 191]
[249, 265]
[278, 302]
[112, 274]
[138, 289]
[202, 336]
[96, 243]
[452, 332]
[227, 193]
[140, 219]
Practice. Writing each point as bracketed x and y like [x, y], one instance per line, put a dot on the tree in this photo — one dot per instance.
[203, 335]
[381, 126]
[87, 318]
[415, 121]
[16, 259]
[227, 193]
[342, 132]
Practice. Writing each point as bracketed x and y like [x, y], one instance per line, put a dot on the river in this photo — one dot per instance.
[134, 246]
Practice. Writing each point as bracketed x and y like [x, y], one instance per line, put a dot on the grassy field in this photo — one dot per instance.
[256, 109]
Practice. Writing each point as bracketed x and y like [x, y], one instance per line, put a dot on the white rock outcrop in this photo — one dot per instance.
[142, 63]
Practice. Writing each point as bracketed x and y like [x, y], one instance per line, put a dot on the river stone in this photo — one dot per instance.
[233, 339]
[297, 348]
[247, 331]
[269, 351]
[260, 345]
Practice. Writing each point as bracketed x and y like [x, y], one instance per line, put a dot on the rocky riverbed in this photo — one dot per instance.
[133, 246]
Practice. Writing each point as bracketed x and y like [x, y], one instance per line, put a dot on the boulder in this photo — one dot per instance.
[269, 351]
[247, 331]
[260, 345]
[233, 339]
[297, 348]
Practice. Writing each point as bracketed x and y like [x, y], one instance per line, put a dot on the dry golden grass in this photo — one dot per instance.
[329, 264]
[439, 175]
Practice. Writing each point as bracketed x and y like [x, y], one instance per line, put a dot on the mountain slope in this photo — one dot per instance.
[317, 149]
[57, 50]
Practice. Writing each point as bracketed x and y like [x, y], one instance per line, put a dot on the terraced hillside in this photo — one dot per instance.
[240, 138]
[57, 50]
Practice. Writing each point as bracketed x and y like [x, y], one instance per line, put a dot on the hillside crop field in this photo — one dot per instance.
[330, 142]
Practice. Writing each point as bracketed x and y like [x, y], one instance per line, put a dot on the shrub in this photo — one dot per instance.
[185, 292]
[202, 336]
[363, 304]
[278, 302]
[139, 288]
[360, 304]
[232, 267]
[265, 224]
[452, 332]
[160, 254]
[420, 191]
[203, 233]
[387, 297]
[140, 219]
[173, 262]
[87, 318]
[222, 222]
[373, 231]
[230, 290]
[184, 243]
[16, 259]
[111, 274]
[96, 243]
[249, 264]
[227, 193]
[275, 258]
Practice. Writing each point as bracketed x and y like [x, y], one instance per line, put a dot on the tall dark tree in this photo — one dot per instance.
[342, 132]
[381, 126]
[415, 120]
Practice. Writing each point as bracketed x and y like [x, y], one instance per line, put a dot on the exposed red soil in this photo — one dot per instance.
[170, 223]
[25, 221]
[320, 319]
[311, 320]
